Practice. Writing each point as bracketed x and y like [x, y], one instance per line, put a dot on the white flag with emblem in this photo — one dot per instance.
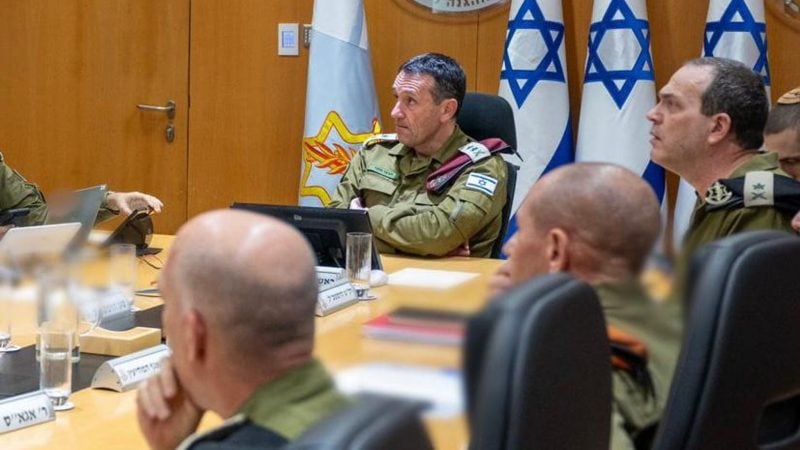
[735, 29]
[341, 106]
[533, 79]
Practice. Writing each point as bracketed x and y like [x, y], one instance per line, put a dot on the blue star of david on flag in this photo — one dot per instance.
[619, 83]
[738, 18]
[549, 67]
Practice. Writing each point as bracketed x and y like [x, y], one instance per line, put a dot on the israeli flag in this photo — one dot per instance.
[735, 29]
[533, 79]
[341, 105]
[619, 90]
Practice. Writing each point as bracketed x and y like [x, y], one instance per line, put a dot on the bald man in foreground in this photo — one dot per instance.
[239, 295]
[601, 230]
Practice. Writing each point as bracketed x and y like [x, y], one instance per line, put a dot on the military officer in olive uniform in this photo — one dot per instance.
[429, 189]
[242, 338]
[601, 230]
[782, 132]
[17, 192]
[708, 125]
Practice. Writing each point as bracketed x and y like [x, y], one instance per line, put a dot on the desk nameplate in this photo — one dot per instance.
[124, 373]
[335, 297]
[25, 410]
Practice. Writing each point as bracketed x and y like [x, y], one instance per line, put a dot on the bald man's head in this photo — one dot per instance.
[250, 277]
[598, 221]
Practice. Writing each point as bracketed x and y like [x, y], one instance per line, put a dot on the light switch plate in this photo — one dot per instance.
[288, 39]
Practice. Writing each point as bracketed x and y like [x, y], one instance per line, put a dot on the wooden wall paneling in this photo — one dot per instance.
[400, 29]
[72, 75]
[577, 17]
[783, 40]
[248, 103]
[492, 26]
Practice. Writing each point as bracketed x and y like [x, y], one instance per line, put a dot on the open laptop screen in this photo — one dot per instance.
[79, 206]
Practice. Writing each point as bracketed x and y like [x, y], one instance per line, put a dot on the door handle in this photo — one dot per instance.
[169, 109]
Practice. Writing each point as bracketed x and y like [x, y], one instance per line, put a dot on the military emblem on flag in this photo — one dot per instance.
[533, 79]
[341, 105]
[619, 90]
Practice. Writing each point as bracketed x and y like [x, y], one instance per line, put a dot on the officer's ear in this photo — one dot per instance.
[448, 108]
[196, 334]
[720, 128]
[556, 245]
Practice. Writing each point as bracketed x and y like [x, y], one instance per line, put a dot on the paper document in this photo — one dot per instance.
[440, 388]
[428, 278]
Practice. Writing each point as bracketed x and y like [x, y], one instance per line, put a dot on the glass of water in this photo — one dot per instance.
[122, 271]
[359, 262]
[8, 281]
[55, 364]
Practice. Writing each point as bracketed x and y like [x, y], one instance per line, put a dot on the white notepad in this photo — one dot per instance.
[441, 388]
[428, 278]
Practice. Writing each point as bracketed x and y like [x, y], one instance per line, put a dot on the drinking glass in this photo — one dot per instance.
[61, 303]
[55, 364]
[122, 271]
[359, 262]
[7, 285]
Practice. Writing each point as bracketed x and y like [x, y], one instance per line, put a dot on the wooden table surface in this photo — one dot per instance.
[107, 420]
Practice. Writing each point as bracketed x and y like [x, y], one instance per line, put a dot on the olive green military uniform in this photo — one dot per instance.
[17, 192]
[706, 227]
[390, 180]
[657, 325]
[285, 408]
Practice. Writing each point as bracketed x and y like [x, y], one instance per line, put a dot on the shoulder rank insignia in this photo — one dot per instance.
[718, 194]
[475, 150]
[383, 138]
[469, 154]
[759, 188]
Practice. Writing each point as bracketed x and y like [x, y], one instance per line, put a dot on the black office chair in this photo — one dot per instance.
[484, 116]
[737, 383]
[537, 370]
[372, 423]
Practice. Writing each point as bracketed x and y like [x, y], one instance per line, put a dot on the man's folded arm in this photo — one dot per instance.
[439, 229]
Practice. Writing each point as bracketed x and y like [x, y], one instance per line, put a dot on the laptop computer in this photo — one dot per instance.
[38, 240]
[79, 206]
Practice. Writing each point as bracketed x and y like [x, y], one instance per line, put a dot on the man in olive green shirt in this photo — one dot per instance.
[708, 125]
[782, 132]
[239, 294]
[17, 192]
[599, 222]
[391, 175]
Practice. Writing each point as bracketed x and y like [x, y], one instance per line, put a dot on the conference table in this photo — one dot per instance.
[105, 419]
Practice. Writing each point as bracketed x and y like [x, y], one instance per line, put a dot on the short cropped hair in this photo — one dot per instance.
[782, 118]
[738, 92]
[450, 79]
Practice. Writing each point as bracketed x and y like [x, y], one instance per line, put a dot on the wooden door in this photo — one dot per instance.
[248, 104]
[71, 75]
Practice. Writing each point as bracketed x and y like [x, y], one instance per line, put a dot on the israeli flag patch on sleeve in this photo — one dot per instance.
[483, 183]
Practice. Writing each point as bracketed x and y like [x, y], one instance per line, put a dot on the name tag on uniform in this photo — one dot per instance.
[25, 410]
[476, 151]
[124, 373]
[483, 183]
